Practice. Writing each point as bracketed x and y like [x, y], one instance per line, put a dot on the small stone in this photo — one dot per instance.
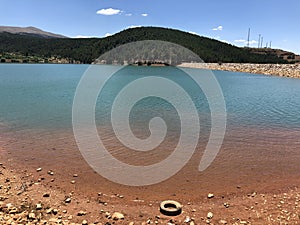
[75, 175]
[73, 182]
[54, 211]
[50, 172]
[3, 198]
[13, 210]
[107, 215]
[39, 169]
[49, 211]
[131, 223]
[222, 222]
[187, 219]
[38, 206]
[192, 223]
[210, 195]
[46, 195]
[81, 213]
[210, 215]
[226, 205]
[31, 216]
[53, 220]
[84, 222]
[118, 216]
[68, 200]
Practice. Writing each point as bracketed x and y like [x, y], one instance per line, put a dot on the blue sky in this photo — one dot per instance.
[275, 20]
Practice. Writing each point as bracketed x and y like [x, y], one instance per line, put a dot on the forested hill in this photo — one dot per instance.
[87, 50]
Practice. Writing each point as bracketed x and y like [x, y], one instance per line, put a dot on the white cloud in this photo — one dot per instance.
[192, 32]
[128, 14]
[245, 42]
[218, 28]
[133, 26]
[225, 41]
[253, 42]
[109, 11]
[240, 41]
[83, 36]
[107, 34]
[144, 14]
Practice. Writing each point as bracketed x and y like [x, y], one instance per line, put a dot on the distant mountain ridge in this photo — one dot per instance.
[32, 31]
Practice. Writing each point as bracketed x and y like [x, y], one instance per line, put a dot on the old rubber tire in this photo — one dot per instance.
[170, 208]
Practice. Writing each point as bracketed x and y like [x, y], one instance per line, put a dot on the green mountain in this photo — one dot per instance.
[88, 50]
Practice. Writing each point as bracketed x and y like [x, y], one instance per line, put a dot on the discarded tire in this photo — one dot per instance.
[170, 208]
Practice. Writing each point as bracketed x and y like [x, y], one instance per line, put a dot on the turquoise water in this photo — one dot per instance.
[41, 96]
[261, 143]
[37, 96]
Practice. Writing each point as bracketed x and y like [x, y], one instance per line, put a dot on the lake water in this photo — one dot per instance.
[261, 145]
[41, 96]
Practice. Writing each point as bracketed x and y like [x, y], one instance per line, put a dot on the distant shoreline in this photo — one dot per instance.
[283, 70]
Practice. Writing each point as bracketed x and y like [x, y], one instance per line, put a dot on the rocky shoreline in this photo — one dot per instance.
[283, 70]
[28, 197]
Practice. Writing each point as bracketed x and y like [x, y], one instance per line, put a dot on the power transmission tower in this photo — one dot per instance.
[248, 38]
[259, 40]
[262, 41]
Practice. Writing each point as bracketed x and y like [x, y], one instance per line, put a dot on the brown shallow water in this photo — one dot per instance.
[257, 160]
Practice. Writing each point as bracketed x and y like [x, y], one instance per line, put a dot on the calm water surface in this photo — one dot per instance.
[263, 126]
[41, 96]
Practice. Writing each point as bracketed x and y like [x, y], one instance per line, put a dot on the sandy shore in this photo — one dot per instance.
[35, 197]
[283, 70]
[33, 191]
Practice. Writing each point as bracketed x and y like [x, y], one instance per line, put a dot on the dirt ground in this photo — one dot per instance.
[36, 197]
